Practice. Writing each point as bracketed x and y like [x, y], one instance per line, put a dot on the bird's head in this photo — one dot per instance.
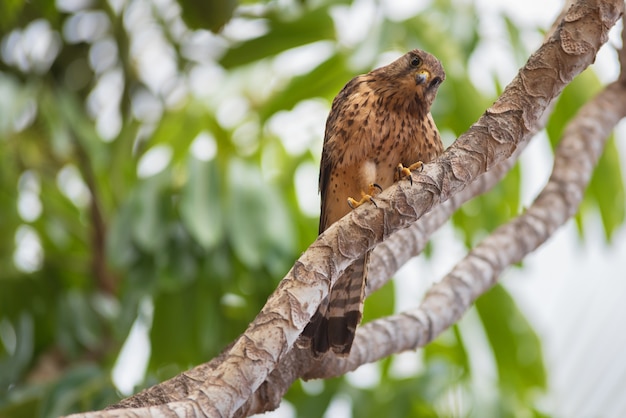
[416, 72]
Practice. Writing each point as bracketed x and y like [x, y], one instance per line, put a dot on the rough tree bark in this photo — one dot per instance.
[254, 372]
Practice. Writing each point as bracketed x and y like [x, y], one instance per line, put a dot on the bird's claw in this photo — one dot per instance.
[373, 189]
[403, 172]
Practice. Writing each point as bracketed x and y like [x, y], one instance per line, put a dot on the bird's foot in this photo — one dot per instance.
[403, 172]
[373, 189]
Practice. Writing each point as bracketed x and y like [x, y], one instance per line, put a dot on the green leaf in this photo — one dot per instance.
[313, 405]
[150, 212]
[16, 13]
[179, 129]
[326, 80]
[515, 346]
[246, 208]
[259, 223]
[516, 41]
[82, 388]
[200, 208]
[283, 34]
[402, 398]
[173, 332]
[80, 128]
[458, 105]
[606, 188]
[22, 402]
[574, 96]
[449, 346]
[120, 248]
[9, 11]
[189, 323]
[486, 212]
[12, 365]
[380, 303]
[79, 323]
[210, 14]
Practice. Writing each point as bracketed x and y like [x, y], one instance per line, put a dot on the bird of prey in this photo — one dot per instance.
[378, 130]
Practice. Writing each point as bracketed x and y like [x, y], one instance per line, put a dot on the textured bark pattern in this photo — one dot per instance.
[576, 157]
[245, 367]
[377, 121]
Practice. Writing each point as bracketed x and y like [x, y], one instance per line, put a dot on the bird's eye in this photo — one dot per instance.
[415, 61]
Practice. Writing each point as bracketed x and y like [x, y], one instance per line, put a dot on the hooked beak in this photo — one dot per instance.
[421, 77]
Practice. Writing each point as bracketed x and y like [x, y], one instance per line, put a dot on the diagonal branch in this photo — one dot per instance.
[444, 304]
[387, 257]
[490, 141]
[382, 335]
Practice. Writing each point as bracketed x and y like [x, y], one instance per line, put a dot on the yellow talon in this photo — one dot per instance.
[365, 197]
[403, 172]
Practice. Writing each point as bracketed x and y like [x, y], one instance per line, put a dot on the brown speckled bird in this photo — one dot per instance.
[378, 130]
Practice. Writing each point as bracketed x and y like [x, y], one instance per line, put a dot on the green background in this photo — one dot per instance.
[94, 237]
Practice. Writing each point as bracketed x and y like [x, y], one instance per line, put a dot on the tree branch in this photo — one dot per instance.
[444, 304]
[380, 338]
[386, 259]
[490, 141]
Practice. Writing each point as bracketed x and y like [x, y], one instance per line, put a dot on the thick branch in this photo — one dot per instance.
[406, 243]
[385, 261]
[444, 304]
[490, 141]
[380, 338]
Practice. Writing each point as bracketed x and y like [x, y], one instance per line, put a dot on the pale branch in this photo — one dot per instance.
[416, 328]
[404, 244]
[576, 157]
[386, 258]
[490, 141]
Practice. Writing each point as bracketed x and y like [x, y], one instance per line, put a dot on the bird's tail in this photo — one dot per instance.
[334, 324]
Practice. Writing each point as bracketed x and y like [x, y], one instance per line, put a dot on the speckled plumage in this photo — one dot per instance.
[378, 120]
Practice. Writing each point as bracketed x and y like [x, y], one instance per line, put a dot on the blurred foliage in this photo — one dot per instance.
[606, 189]
[155, 173]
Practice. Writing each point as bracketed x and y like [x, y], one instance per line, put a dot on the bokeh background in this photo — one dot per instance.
[158, 177]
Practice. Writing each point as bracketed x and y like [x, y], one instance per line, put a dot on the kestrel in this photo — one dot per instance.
[379, 128]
